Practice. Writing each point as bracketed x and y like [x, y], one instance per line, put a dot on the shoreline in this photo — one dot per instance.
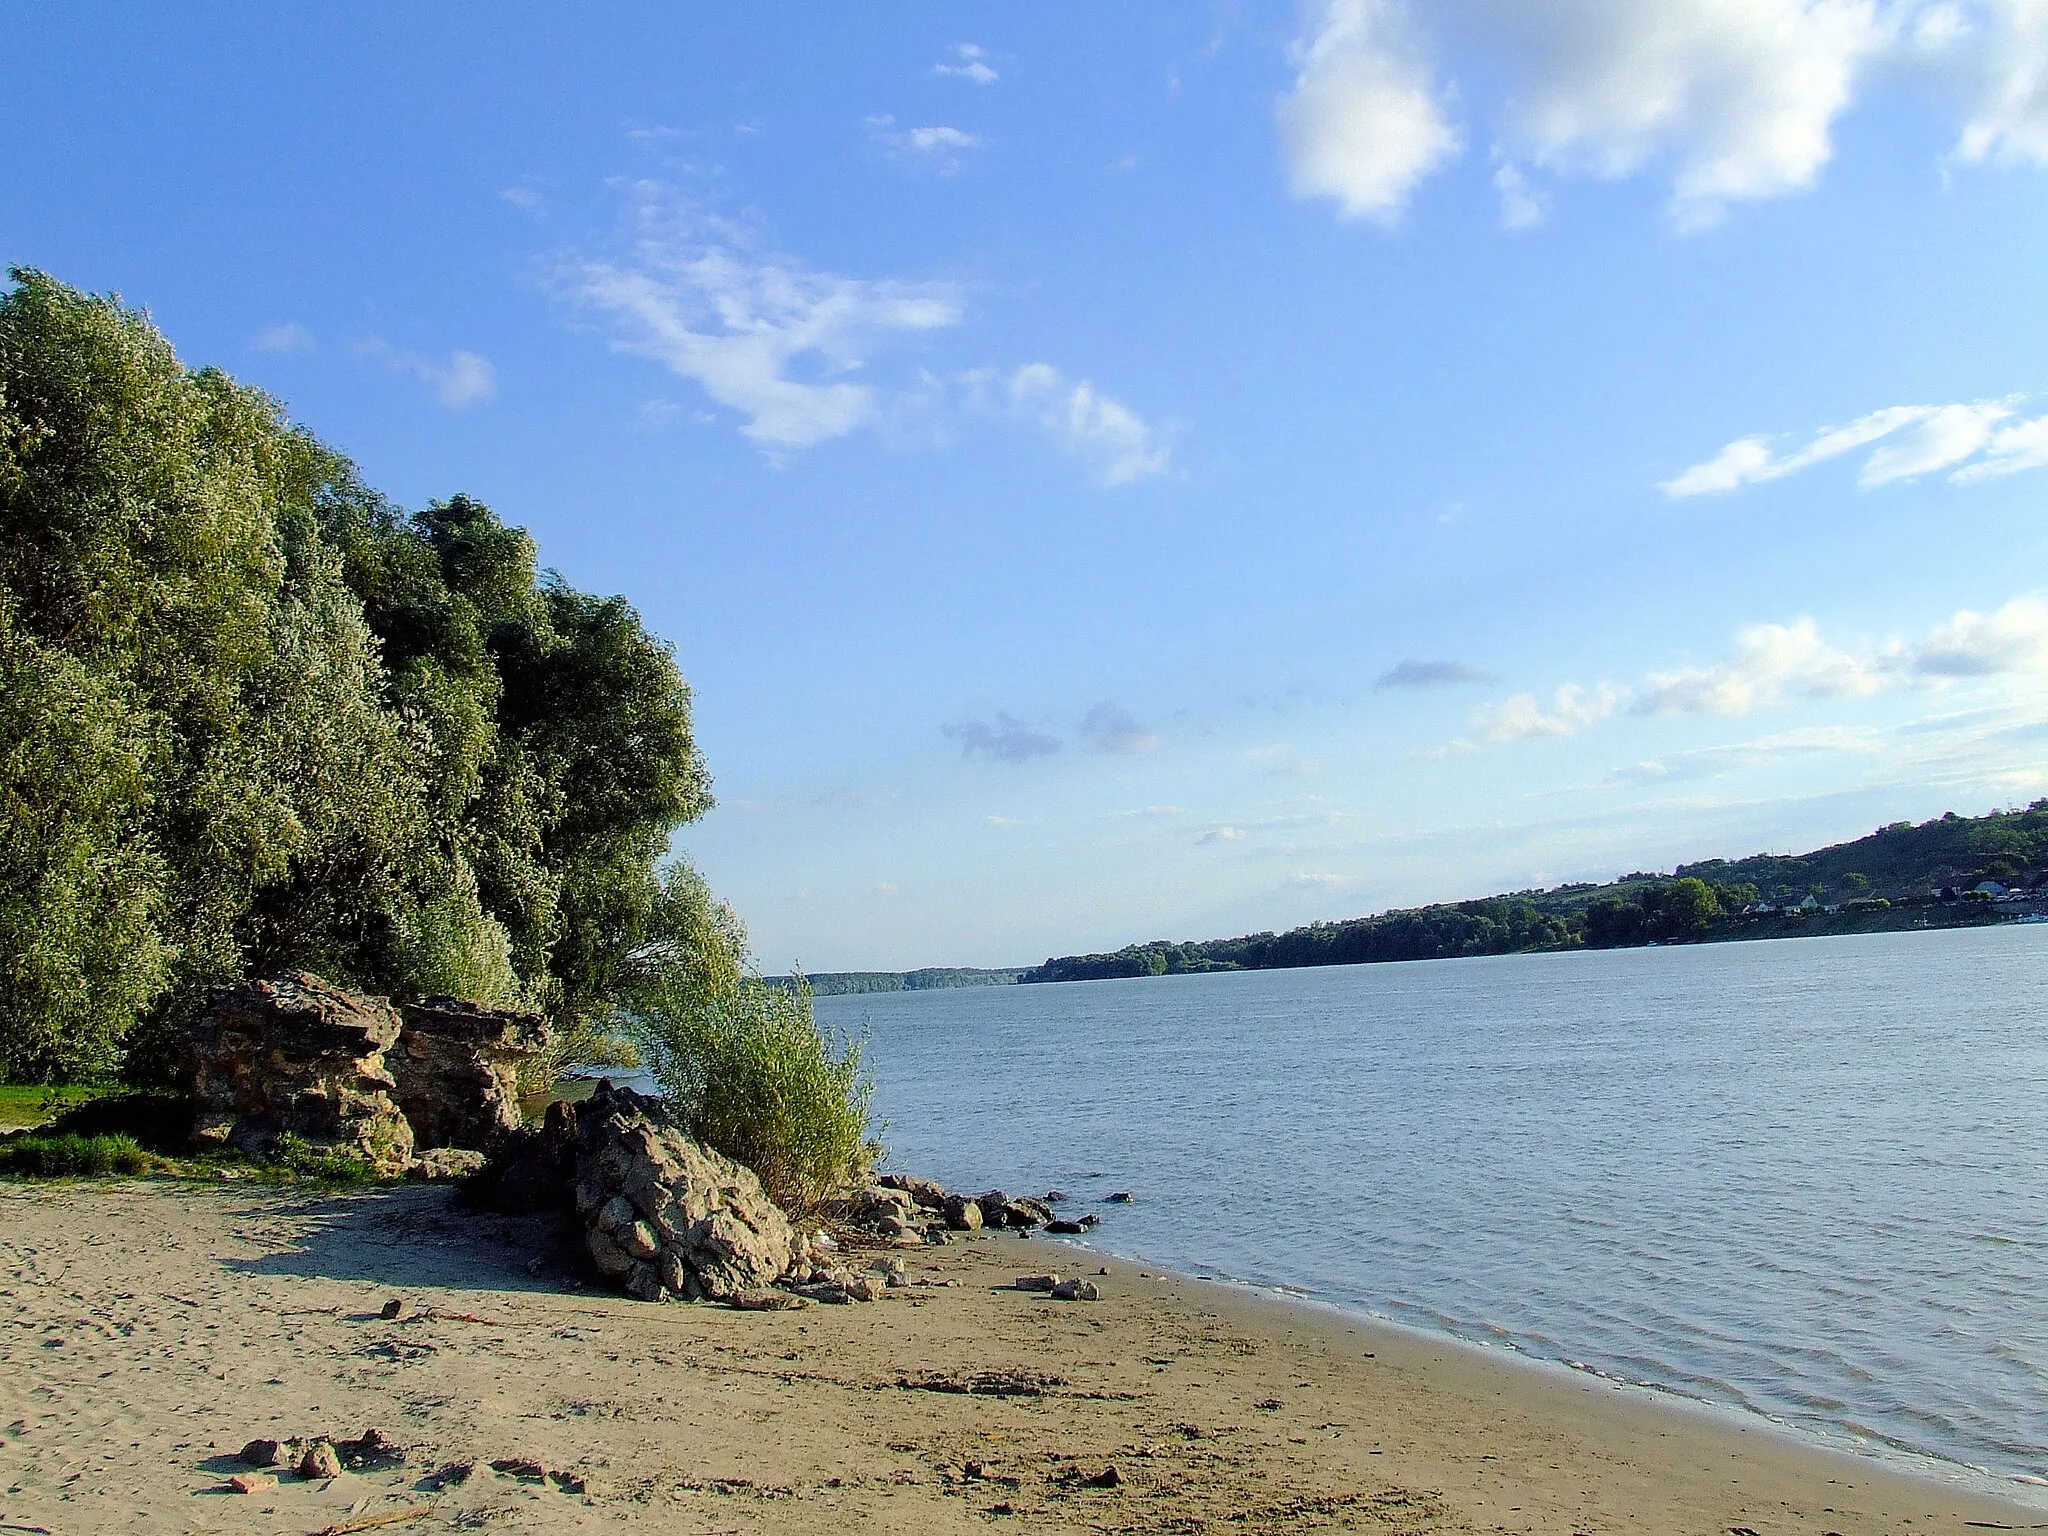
[1912, 1464]
[148, 1330]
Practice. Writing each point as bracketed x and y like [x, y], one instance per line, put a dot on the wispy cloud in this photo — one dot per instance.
[760, 333]
[1004, 739]
[465, 379]
[1972, 441]
[1112, 728]
[1429, 674]
[1763, 751]
[286, 338]
[1118, 444]
[969, 62]
[1773, 664]
[1220, 835]
[938, 149]
[526, 200]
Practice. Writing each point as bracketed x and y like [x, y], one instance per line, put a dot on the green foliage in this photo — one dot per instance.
[745, 1064]
[33, 1156]
[252, 717]
[291, 1159]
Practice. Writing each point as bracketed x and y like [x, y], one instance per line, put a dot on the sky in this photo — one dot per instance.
[1163, 469]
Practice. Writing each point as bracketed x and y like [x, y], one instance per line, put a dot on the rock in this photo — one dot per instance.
[251, 1482]
[938, 1237]
[926, 1192]
[962, 1214]
[1121, 1197]
[1065, 1228]
[522, 1467]
[665, 1217]
[321, 1460]
[1054, 1196]
[1076, 1290]
[767, 1301]
[1037, 1282]
[1108, 1477]
[1017, 1214]
[457, 1070]
[444, 1165]
[863, 1287]
[369, 1450]
[261, 1453]
[394, 1308]
[295, 1056]
[892, 1226]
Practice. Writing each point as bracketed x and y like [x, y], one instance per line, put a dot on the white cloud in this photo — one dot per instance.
[1733, 100]
[1520, 206]
[1773, 664]
[762, 334]
[2009, 116]
[1912, 440]
[1741, 95]
[1770, 661]
[1763, 751]
[1220, 835]
[1522, 716]
[1095, 427]
[937, 148]
[1364, 124]
[289, 337]
[970, 62]
[526, 200]
[466, 379]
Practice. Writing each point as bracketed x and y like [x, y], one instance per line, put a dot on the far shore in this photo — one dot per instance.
[155, 1327]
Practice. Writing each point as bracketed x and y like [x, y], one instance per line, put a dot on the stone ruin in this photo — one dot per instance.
[430, 1088]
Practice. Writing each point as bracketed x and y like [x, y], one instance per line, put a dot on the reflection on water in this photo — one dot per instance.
[1803, 1178]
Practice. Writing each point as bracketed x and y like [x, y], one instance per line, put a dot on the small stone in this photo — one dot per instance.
[261, 1453]
[393, 1309]
[321, 1460]
[1108, 1477]
[1054, 1196]
[1087, 1290]
[863, 1288]
[1037, 1282]
[1268, 1403]
[522, 1467]
[1121, 1197]
[251, 1482]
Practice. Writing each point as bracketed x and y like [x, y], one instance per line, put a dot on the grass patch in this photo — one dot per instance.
[30, 1104]
[70, 1156]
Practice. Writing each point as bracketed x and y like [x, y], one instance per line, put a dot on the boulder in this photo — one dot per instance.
[963, 1214]
[296, 1056]
[665, 1218]
[1018, 1213]
[928, 1193]
[457, 1069]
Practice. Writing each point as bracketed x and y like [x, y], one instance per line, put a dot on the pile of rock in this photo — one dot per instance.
[666, 1218]
[907, 1210]
[431, 1088]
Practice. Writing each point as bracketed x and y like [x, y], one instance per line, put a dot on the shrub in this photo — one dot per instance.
[70, 1156]
[751, 1074]
[745, 1065]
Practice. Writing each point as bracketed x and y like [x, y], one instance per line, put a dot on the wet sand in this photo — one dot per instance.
[149, 1330]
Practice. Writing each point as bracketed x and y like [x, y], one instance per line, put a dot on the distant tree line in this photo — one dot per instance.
[1901, 864]
[930, 979]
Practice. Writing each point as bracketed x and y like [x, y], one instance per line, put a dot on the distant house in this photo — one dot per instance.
[1808, 905]
[1989, 888]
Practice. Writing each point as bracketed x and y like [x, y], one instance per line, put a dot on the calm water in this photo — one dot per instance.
[1803, 1178]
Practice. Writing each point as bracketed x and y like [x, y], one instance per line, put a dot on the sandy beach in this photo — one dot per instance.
[152, 1329]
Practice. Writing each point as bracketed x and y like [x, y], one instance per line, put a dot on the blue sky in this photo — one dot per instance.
[1162, 470]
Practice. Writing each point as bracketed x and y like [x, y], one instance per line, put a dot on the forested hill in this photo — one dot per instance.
[1899, 876]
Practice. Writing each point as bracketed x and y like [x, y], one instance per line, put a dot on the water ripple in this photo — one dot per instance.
[1799, 1178]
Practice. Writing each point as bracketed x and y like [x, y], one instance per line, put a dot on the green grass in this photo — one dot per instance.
[71, 1156]
[31, 1104]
